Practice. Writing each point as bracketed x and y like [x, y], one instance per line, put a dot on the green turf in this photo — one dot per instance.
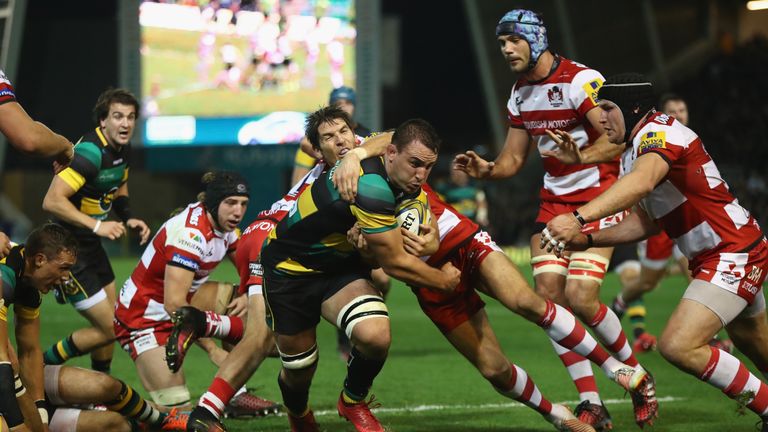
[426, 386]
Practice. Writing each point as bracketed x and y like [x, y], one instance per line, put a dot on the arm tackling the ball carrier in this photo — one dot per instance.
[634, 227]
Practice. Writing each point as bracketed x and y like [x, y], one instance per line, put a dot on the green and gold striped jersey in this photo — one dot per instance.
[312, 239]
[26, 299]
[96, 172]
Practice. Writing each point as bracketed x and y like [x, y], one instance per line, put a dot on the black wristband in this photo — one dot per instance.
[579, 218]
[8, 405]
[590, 241]
[122, 207]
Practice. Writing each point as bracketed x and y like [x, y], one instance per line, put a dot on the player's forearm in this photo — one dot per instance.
[413, 271]
[506, 166]
[624, 194]
[63, 209]
[601, 151]
[31, 365]
[375, 145]
[631, 230]
[44, 142]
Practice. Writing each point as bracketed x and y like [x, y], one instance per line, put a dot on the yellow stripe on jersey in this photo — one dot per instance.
[338, 241]
[292, 267]
[101, 136]
[3, 311]
[72, 178]
[91, 207]
[26, 313]
[125, 174]
[306, 204]
[304, 160]
[373, 222]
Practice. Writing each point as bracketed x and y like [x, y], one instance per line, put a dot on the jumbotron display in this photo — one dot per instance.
[228, 73]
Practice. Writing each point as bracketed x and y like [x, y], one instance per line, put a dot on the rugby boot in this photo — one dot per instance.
[642, 388]
[188, 325]
[564, 420]
[248, 405]
[305, 423]
[594, 415]
[359, 414]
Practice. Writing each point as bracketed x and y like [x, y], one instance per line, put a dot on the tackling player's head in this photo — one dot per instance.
[225, 198]
[412, 154]
[624, 99]
[344, 97]
[49, 253]
[330, 131]
[522, 38]
[675, 106]
[115, 112]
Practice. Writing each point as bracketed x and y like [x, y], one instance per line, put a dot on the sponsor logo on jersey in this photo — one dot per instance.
[105, 202]
[651, 141]
[7, 92]
[195, 237]
[184, 261]
[190, 246]
[662, 119]
[555, 96]
[256, 269]
[591, 88]
[755, 274]
[194, 219]
[550, 124]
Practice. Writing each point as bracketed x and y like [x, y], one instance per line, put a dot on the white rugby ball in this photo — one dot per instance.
[410, 214]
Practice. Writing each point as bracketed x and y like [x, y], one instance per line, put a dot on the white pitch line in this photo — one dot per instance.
[422, 408]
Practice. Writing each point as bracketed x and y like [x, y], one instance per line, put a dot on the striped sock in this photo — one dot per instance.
[727, 373]
[636, 312]
[130, 404]
[580, 370]
[562, 327]
[522, 389]
[217, 397]
[607, 328]
[224, 327]
[61, 351]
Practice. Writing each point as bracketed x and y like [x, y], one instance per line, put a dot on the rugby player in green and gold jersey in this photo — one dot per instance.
[310, 270]
[81, 198]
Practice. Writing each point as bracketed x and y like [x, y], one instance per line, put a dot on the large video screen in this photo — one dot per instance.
[240, 72]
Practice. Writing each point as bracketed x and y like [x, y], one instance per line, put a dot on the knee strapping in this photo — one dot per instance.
[360, 309]
[303, 360]
[171, 396]
[549, 264]
[587, 266]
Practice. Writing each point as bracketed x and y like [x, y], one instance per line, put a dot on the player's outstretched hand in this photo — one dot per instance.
[111, 230]
[238, 306]
[567, 150]
[141, 226]
[472, 164]
[453, 275]
[345, 176]
[5, 245]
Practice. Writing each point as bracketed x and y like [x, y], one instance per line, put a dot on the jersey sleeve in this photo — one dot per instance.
[583, 90]
[185, 248]
[667, 142]
[84, 167]
[303, 160]
[7, 279]
[27, 304]
[374, 207]
[7, 93]
[513, 110]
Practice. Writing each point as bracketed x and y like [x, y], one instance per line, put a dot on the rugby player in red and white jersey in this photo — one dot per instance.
[461, 317]
[675, 186]
[28, 136]
[554, 93]
[172, 273]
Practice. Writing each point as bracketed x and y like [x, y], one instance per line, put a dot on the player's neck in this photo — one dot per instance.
[543, 67]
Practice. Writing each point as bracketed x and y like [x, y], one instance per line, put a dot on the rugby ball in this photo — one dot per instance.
[410, 213]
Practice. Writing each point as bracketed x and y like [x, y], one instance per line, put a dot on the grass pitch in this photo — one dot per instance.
[427, 386]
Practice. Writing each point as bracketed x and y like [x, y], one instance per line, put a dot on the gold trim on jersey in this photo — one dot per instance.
[306, 204]
[125, 174]
[72, 178]
[101, 136]
[337, 241]
[373, 221]
[293, 267]
[26, 312]
[3, 311]
[91, 207]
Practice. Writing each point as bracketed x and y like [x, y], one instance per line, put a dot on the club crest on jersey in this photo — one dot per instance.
[555, 96]
[591, 88]
[652, 140]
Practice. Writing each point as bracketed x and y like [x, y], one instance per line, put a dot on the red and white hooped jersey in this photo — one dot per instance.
[455, 228]
[7, 93]
[561, 101]
[247, 257]
[187, 240]
[693, 204]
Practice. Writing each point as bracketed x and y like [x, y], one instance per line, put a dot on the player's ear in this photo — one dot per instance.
[391, 151]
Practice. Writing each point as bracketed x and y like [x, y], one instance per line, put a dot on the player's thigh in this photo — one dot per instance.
[80, 386]
[153, 372]
[213, 296]
[111, 293]
[477, 342]
[101, 315]
[691, 325]
[549, 272]
[650, 278]
[751, 326]
[500, 279]
[100, 421]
